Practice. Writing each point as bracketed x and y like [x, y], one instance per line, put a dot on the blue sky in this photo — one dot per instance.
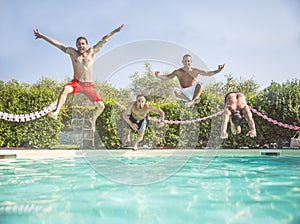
[257, 39]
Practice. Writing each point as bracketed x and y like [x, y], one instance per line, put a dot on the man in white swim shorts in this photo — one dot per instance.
[187, 76]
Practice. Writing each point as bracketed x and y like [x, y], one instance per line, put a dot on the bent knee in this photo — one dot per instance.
[67, 89]
[100, 105]
[198, 85]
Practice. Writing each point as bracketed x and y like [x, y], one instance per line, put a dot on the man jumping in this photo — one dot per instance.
[82, 60]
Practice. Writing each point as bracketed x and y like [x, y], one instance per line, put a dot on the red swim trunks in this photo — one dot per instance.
[87, 88]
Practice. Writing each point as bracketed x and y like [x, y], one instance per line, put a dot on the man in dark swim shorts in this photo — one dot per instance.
[235, 110]
[136, 117]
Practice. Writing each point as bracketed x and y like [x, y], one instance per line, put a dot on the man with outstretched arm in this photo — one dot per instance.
[82, 60]
[188, 79]
[235, 110]
[136, 117]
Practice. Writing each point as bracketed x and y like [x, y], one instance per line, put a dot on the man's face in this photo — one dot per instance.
[187, 61]
[81, 46]
[140, 102]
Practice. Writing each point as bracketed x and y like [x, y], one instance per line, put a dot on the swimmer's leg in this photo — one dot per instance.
[180, 95]
[196, 98]
[61, 100]
[98, 111]
[139, 138]
[127, 137]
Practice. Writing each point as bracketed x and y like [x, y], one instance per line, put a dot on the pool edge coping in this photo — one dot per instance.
[58, 153]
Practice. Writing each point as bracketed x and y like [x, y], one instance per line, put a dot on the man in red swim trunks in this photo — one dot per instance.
[82, 60]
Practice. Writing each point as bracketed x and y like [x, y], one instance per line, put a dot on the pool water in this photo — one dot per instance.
[232, 189]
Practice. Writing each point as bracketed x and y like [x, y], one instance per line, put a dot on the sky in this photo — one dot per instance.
[257, 39]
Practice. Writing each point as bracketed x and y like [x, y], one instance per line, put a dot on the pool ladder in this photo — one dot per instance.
[84, 132]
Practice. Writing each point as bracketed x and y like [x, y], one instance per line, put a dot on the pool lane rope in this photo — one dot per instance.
[51, 107]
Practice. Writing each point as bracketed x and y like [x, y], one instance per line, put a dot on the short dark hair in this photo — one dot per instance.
[237, 119]
[186, 55]
[141, 95]
[79, 38]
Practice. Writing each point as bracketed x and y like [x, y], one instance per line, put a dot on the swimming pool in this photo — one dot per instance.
[231, 189]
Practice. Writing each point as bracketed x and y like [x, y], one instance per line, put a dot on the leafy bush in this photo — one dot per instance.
[278, 101]
[24, 99]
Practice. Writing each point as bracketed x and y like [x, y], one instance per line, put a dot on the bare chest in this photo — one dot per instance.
[186, 79]
[139, 114]
[83, 60]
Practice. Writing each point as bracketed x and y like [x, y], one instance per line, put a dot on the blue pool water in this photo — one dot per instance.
[232, 189]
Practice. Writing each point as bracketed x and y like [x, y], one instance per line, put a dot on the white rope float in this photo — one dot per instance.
[27, 117]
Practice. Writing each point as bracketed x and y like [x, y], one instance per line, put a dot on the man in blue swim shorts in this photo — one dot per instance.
[136, 117]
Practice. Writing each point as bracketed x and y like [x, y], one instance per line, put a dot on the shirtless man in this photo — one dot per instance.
[82, 60]
[187, 77]
[236, 109]
[136, 117]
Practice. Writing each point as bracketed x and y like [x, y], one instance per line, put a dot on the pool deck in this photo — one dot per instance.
[71, 153]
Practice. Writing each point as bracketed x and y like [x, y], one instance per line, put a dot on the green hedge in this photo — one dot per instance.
[24, 99]
[278, 101]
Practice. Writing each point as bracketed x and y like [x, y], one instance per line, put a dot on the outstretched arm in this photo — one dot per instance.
[211, 73]
[161, 114]
[106, 38]
[165, 77]
[225, 120]
[250, 121]
[56, 43]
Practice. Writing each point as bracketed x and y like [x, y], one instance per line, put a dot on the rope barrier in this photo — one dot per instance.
[27, 117]
[51, 107]
[188, 121]
[292, 127]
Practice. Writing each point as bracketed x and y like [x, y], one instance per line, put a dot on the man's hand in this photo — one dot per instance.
[37, 34]
[161, 124]
[157, 73]
[224, 135]
[133, 126]
[120, 27]
[220, 67]
[252, 134]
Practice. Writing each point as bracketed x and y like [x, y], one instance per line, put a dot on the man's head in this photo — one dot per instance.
[81, 44]
[140, 101]
[187, 60]
[237, 119]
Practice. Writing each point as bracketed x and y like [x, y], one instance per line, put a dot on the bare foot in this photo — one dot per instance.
[197, 100]
[52, 115]
[127, 144]
[192, 102]
[189, 104]
[135, 148]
